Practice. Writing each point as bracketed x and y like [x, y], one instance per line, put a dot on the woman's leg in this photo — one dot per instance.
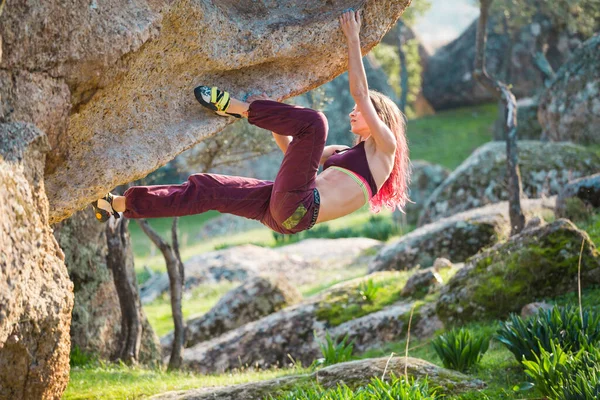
[293, 198]
[245, 197]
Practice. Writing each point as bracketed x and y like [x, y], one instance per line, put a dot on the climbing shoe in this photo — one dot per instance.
[103, 208]
[214, 99]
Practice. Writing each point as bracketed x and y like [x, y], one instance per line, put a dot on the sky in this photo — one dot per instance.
[445, 21]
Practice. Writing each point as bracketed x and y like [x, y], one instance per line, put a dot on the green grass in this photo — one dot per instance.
[106, 381]
[449, 137]
[194, 303]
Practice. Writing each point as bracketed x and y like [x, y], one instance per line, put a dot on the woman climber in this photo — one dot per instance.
[375, 170]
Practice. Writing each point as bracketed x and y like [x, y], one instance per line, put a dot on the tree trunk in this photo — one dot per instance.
[119, 244]
[175, 272]
[501, 91]
[403, 71]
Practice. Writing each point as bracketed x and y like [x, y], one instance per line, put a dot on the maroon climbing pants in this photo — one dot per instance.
[289, 204]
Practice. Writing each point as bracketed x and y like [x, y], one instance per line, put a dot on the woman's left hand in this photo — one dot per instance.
[350, 23]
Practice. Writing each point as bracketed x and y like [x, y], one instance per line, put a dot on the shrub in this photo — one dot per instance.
[334, 353]
[460, 349]
[527, 338]
[563, 375]
[367, 290]
[377, 389]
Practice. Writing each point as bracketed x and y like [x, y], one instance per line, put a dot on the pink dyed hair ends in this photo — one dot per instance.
[394, 192]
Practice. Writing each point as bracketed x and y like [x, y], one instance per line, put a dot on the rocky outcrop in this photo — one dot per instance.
[305, 262]
[481, 179]
[96, 321]
[131, 70]
[457, 237]
[36, 296]
[354, 374]
[425, 178]
[579, 198]
[368, 319]
[570, 108]
[453, 87]
[536, 264]
[254, 299]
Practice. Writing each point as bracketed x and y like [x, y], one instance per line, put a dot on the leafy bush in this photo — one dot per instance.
[563, 375]
[394, 389]
[334, 353]
[460, 349]
[368, 290]
[526, 338]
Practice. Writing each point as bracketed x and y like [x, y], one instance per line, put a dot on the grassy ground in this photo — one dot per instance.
[498, 368]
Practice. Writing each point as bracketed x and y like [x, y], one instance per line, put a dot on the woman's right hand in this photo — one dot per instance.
[350, 22]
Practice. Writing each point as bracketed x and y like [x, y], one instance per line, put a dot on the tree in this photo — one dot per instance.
[502, 91]
[176, 279]
[119, 260]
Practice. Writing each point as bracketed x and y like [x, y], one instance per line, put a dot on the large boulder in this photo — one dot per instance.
[579, 198]
[570, 108]
[425, 178]
[353, 373]
[457, 237]
[448, 81]
[131, 70]
[96, 320]
[36, 296]
[538, 263]
[481, 179]
[297, 331]
[254, 299]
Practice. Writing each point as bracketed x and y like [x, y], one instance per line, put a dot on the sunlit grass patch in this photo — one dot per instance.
[113, 381]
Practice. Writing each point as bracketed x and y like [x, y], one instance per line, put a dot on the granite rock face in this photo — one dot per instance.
[545, 168]
[570, 108]
[579, 198]
[533, 265]
[457, 237]
[36, 296]
[131, 70]
[254, 299]
[96, 321]
[450, 87]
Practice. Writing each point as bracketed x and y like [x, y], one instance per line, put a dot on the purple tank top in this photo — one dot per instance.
[353, 159]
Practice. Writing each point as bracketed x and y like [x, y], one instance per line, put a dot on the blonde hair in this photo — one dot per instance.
[394, 192]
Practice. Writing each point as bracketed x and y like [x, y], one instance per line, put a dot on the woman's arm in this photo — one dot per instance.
[329, 150]
[382, 135]
[282, 141]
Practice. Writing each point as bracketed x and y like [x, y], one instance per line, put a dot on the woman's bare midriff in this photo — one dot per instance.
[340, 195]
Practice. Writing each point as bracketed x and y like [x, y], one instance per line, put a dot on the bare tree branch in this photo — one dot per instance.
[502, 92]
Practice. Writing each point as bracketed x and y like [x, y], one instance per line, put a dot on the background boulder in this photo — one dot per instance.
[570, 108]
[36, 296]
[579, 198]
[448, 81]
[425, 178]
[257, 297]
[481, 179]
[533, 265]
[457, 237]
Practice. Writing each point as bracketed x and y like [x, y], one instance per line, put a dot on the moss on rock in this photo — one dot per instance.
[535, 264]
